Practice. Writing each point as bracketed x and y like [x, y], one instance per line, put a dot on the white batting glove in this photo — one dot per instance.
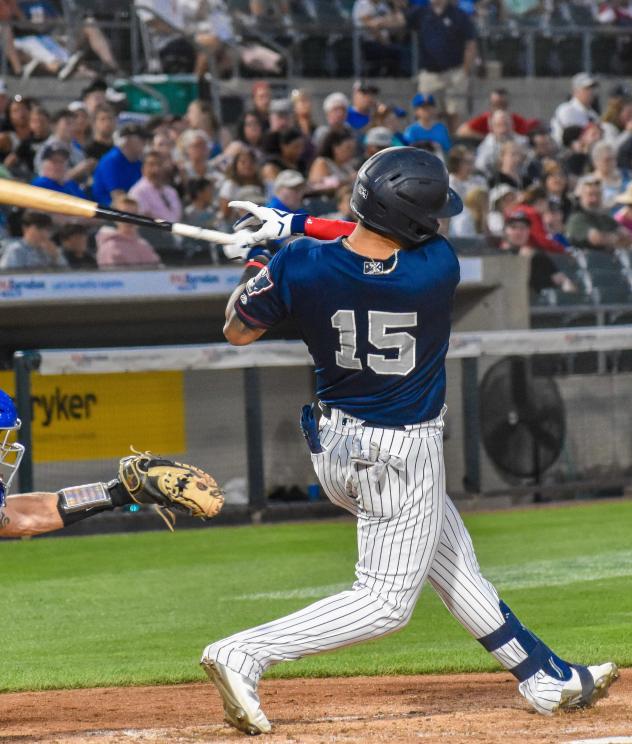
[272, 224]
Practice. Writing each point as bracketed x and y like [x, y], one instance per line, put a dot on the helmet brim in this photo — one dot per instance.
[452, 206]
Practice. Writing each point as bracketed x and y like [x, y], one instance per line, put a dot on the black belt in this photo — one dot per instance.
[326, 409]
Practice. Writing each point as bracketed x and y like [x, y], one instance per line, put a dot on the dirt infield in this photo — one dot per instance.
[430, 709]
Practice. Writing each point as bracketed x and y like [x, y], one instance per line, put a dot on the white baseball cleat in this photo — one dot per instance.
[586, 686]
[242, 708]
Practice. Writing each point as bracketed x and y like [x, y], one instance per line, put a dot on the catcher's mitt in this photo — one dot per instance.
[150, 479]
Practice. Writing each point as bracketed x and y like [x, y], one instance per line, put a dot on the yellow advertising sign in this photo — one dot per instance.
[93, 417]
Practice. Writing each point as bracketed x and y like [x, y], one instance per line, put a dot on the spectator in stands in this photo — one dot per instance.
[578, 143]
[427, 128]
[472, 221]
[61, 136]
[194, 149]
[73, 238]
[335, 106]
[534, 203]
[460, 166]
[281, 119]
[624, 215]
[292, 154]
[121, 167]
[155, 197]
[511, 168]
[242, 183]
[555, 185]
[261, 94]
[393, 118]
[377, 138]
[250, 132]
[378, 21]
[615, 118]
[200, 115]
[447, 54]
[501, 199]
[543, 149]
[553, 218]
[8, 12]
[543, 274]
[94, 95]
[343, 205]
[288, 192]
[478, 127]
[579, 110]
[201, 212]
[213, 28]
[488, 152]
[281, 115]
[122, 245]
[589, 226]
[18, 144]
[81, 125]
[303, 114]
[39, 124]
[4, 103]
[35, 249]
[54, 170]
[335, 164]
[34, 24]
[605, 169]
[103, 127]
[363, 104]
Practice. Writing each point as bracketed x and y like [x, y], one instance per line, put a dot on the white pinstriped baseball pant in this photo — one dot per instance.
[408, 531]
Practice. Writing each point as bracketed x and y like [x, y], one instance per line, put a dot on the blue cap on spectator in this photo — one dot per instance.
[400, 113]
[423, 100]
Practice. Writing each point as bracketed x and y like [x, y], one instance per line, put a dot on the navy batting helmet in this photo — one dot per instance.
[401, 192]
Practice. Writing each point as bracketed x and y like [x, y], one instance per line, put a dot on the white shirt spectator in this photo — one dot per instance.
[572, 113]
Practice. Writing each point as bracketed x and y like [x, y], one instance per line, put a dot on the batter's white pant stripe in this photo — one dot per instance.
[408, 530]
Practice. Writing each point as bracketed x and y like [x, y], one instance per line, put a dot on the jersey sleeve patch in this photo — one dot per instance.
[260, 283]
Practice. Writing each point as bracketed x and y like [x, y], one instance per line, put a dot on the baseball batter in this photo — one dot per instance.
[374, 309]
[142, 479]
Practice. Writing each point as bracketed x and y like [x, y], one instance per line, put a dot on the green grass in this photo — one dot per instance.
[139, 608]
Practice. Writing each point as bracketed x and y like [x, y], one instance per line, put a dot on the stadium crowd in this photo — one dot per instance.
[528, 186]
[541, 188]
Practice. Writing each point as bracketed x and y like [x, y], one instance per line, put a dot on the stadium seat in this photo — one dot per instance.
[609, 287]
[601, 260]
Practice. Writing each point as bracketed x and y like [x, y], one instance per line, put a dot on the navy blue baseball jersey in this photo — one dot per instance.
[378, 331]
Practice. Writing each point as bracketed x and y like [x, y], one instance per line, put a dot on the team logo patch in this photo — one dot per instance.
[362, 191]
[373, 267]
[260, 283]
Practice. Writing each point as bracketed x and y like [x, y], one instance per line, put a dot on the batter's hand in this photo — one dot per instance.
[259, 225]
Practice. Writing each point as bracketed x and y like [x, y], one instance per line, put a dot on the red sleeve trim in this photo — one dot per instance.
[248, 320]
[317, 227]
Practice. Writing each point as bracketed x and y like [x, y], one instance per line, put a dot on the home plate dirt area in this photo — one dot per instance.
[429, 708]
